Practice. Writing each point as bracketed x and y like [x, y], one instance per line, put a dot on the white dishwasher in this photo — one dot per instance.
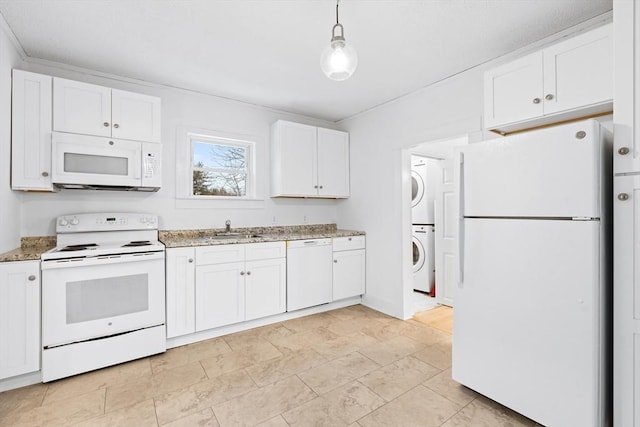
[309, 273]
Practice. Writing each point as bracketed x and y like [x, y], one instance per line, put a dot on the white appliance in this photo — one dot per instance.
[423, 185]
[91, 162]
[532, 319]
[103, 293]
[309, 273]
[423, 258]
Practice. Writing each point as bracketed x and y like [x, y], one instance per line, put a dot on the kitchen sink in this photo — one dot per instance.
[234, 236]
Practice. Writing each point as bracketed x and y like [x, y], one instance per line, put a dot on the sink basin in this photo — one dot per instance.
[234, 236]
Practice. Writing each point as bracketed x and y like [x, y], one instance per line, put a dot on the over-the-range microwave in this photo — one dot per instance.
[91, 162]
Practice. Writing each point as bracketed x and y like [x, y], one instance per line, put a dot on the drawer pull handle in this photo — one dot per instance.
[31, 278]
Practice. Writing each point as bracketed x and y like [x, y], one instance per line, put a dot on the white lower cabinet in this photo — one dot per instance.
[212, 286]
[19, 318]
[220, 294]
[239, 282]
[265, 288]
[348, 267]
[181, 288]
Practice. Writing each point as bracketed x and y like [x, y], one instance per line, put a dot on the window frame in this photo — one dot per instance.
[218, 138]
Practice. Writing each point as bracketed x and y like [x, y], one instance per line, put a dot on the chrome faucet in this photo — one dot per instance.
[227, 223]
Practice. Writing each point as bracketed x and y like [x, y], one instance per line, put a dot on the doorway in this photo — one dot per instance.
[442, 156]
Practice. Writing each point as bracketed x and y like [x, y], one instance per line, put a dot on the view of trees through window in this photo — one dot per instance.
[219, 169]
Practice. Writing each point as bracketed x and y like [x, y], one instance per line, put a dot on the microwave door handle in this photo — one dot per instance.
[137, 162]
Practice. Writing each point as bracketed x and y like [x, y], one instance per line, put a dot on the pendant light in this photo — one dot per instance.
[338, 60]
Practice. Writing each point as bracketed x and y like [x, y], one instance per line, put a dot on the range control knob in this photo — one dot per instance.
[63, 222]
[75, 221]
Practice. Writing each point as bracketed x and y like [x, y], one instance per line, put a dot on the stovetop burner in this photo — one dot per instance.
[71, 248]
[137, 243]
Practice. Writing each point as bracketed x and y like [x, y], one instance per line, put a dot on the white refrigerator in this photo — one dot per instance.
[532, 318]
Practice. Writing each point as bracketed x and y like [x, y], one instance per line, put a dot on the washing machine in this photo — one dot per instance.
[424, 274]
[423, 182]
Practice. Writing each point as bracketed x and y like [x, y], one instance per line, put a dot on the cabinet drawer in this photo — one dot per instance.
[348, 243]
[267, 250]
[206, 255]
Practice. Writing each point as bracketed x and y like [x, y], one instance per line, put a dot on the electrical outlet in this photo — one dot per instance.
[273, 220]
[304, 219]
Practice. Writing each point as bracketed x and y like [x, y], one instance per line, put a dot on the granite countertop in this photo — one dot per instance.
[207, 237]
[30, 249]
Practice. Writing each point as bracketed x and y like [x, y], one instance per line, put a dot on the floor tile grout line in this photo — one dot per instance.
[104, 406]
[155, 411]
[458, 411]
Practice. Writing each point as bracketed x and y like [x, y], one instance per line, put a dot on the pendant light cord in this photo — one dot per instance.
[337, 4]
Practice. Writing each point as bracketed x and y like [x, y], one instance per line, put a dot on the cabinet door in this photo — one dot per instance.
[333, 163]
[181, 289]
[626, 115]
[579, 71]
[513, 91]
[348, 274]
[135, 116]
[219, 295]
[266, 287]
[31, 131]
[626, 300]
[81, 108]
[19, 318]
[293, 157]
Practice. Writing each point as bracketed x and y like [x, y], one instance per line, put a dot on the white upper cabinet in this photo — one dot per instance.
[294, 159]
[626, 116]
[308, 161]
[513, 91]
[571, 79]
[96, 110]
[31, 132]
[81, 108]
[135, 116]
[333, 163]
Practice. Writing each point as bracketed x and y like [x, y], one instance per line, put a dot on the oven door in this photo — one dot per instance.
[88, 298]
[90, 160]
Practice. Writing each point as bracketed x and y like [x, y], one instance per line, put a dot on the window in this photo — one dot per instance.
[220, 167]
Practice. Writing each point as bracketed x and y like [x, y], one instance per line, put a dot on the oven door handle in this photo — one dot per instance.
[102, 260]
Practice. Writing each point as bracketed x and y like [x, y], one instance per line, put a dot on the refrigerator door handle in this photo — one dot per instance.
[460, 240]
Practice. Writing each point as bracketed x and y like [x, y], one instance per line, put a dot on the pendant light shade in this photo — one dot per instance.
[338, 60]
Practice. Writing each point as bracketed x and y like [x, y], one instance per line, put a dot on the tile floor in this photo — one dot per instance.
[347, 367]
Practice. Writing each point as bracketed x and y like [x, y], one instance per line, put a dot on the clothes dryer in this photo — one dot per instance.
[423, 182]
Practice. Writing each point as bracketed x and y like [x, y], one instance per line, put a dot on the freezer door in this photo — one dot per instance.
[552, 172]
[529, 316]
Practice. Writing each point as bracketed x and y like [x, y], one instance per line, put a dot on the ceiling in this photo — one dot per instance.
[267, 52]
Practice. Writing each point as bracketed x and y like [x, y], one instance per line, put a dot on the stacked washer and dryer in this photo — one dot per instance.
[423, 182]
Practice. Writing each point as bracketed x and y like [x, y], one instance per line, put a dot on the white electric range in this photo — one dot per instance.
[103, 293]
